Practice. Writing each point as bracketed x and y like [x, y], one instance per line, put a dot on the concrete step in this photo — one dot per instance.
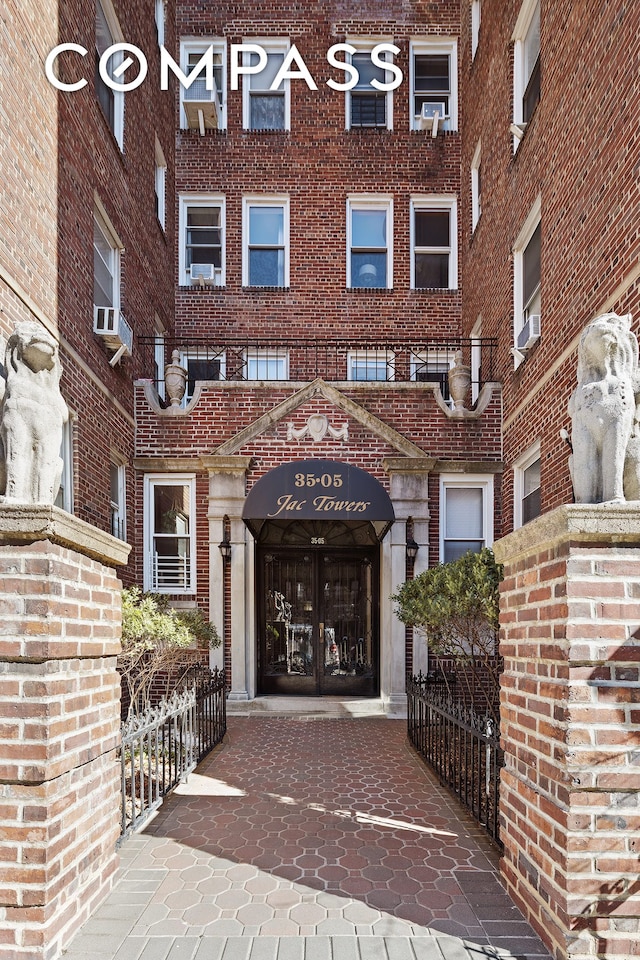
[309, 708]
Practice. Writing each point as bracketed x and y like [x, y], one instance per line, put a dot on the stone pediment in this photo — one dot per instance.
[320, 388]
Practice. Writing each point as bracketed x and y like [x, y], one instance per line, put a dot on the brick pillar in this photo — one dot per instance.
[60, 628]
[570, 796]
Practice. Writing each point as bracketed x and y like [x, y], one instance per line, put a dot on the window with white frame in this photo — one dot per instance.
[159, 15]
[263, 108]
[159, 358]
[476, 359]
[433, 72]
[526, 479]
[160, 184]
[368, 107]
[266, 242]
[466, 514]
[108, 33]
[527, 279]
[526, 63]
[476, 186]
[106, 264]
[64, 497]
[369, 233]
[117, 479]
[191, 53]
[432, 368]
[434, 232]
[266, 364]
[201, 365]
[476, 14]
[170, 545]
[202, 229]
[370, 365]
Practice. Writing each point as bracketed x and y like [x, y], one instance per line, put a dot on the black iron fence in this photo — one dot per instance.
[333, 360]
[461, 746]
[163, 745]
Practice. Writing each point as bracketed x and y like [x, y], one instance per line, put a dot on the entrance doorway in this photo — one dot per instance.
[318, 609]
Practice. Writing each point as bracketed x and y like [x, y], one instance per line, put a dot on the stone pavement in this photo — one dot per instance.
[309, 839]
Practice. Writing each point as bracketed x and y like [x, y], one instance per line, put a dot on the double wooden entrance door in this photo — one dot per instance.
[318, 621]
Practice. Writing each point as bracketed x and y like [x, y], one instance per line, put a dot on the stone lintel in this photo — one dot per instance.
[167, 464]
[468, 466]
[221, 464]
[580, 523]
[28, 523]
[408, 464]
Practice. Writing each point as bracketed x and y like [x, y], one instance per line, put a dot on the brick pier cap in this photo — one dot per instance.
[570, 706]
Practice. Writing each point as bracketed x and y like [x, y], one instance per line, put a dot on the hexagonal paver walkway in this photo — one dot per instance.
[309, 839]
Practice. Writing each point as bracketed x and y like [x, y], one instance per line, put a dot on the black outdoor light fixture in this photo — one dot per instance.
[225, 549]
[412, 549]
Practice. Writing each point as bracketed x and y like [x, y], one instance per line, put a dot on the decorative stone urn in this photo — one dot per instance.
[459, 381]
[175, 380]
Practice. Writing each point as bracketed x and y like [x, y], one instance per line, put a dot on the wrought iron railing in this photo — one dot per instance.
[303, 359]
[460, 745]
[162, 746]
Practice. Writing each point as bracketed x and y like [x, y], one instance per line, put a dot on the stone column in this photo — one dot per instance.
[60, 630]
[570, 795]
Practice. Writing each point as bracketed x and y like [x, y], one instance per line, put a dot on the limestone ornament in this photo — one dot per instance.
[317, 427]
[605, 416]
[32, 416]
[459, 377]
[175, 380]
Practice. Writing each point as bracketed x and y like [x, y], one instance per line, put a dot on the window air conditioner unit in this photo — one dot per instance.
[530, 333]
[431, 115]
[110, 324]
[205, 274]
[201, 106]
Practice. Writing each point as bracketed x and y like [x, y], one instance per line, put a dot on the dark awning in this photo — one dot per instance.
[318, 490]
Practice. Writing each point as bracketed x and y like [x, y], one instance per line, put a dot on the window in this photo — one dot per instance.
[201, 365]
[476, 187]
[160, 21]
[266, 242]
[160, 183]
[159, 359]
[526, 478]
[369, 232]
[118, 499]
[433, 69]
[265, 109]
[476, 13]
[434, 230]
[112, 102]
[191, 53]
[527, 280]
[476, 359]
[106, 264]
[267, 364]
[366, 106]
[526, 62]
[370, 365]
[170, 533]
[202, 226]
[432, 368]
[64, 498]
[466, 514]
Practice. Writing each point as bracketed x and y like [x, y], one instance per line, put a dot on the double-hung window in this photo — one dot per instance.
[366, 105]
[202, 222]
[432, 368]
[476, 186]
[201, 365]
[434, 232]
[526, 63]
[370, 365]
[527, 281]
[466, 514]
[264, 108]
[112, 102]
[476, 13]
[196, 96]
[160, 184]
[106, 264]
[169, 554]
[160, 18]
[434, 81]
[266, 242]
[526, 477]
[64, 497]
[266, 364]
[369, 233]
[117, 477]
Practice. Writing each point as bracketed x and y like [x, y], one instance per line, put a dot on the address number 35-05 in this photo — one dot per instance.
[323, 479]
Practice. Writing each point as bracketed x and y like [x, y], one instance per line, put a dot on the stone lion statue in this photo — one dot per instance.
[605, 462]
[32, 415]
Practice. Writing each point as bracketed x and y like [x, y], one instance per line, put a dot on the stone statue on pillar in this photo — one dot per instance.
[32, 416]
[605, 413]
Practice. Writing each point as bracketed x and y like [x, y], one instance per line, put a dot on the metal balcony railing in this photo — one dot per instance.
[303, 360]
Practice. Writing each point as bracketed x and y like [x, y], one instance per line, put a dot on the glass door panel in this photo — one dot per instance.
[288, 655]
[347, 625]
